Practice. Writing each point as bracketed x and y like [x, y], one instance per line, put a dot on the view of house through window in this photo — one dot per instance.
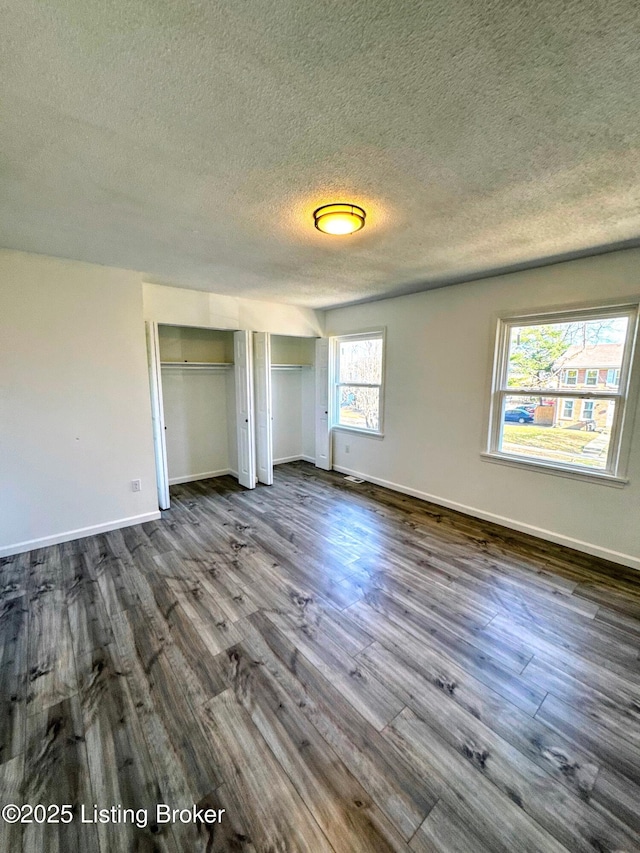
[358, 372]
[560, 399]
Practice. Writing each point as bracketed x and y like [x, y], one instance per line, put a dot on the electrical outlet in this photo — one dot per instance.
[136, 485]
[347, 448]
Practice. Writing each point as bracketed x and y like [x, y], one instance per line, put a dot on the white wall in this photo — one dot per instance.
[286, 402]
[184, 307]
[439, 347]
[290, 415]
[74, 401]
[75, 424]
[293, 410]
[196, 421]
[293, 398]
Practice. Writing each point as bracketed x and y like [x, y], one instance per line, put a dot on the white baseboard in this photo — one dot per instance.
[80, 533]
[191, 478]
[299, 458]
[540, 532]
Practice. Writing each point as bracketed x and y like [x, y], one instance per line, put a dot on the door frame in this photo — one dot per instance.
[264, 407]
[157, 414]
[245, 419]
[323, 417]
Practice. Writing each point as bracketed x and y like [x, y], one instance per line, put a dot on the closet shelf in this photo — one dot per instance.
[197, 365]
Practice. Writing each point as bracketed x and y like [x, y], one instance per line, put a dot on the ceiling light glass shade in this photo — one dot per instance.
[339, 218]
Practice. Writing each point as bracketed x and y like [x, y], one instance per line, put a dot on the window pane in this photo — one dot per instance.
[359, 407]
[553, 429]
[613, 378]
[567, 355]
[361, 361]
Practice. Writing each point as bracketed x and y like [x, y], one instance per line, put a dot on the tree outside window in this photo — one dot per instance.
[358, 373]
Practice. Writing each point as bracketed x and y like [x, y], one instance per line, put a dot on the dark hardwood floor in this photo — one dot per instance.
[338, 667]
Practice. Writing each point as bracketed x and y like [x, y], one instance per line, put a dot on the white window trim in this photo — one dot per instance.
[589, 475]
[363, 334]
[586, 377]
[563, 416]
[625, 397]
[566, 376]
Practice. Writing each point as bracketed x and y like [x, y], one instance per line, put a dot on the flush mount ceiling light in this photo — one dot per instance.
[339, 218]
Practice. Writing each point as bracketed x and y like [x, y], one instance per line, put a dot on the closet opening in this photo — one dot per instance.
[291, 389]
[202, 405]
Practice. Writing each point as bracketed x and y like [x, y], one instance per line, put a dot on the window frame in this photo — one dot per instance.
[591, 370]
[569, 401]
[566, 372]
[379, 333]
[624, 397]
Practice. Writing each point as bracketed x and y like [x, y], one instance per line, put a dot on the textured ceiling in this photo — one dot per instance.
[192, 140]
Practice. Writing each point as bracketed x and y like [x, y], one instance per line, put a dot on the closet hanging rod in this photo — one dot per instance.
[290, 366]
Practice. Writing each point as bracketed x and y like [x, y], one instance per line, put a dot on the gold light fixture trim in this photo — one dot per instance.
[339, 218]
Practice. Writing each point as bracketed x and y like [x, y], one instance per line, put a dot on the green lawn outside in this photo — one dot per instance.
[555, 444]
[548, 438]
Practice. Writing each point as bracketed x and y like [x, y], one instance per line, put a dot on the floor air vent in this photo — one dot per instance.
[353, 479]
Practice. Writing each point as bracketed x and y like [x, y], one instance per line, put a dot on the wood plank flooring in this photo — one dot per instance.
[336, 666]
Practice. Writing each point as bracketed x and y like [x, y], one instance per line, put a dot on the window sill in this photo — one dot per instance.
[368, 432]
[549, 468]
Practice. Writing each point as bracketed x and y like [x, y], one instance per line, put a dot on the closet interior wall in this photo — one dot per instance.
[293, 398]
[198, 385]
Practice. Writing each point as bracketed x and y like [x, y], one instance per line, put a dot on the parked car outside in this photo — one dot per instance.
[519, 415]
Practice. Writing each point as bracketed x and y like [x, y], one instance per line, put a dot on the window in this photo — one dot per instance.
[539, 415]
[587, 410]
[358, 371]
[613, 377]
